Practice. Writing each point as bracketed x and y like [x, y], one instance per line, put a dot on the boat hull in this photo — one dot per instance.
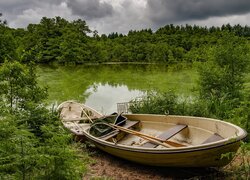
[200, 147]
[203, 157]
[213, 154]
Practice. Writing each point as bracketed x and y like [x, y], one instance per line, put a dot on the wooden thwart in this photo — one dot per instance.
[155, 140]
[128, 125]
[166, 135]
[213, 138]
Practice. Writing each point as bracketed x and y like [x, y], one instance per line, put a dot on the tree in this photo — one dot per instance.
[32, 142]
[18, 85]
[7, 42]
[222, 76]
[75, 45]
[7, 45]
[2, 22]
[25, 156]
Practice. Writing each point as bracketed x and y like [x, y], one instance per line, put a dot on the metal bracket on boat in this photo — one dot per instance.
[166, 113]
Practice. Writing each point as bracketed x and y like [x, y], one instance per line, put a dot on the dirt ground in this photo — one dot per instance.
[109, 167]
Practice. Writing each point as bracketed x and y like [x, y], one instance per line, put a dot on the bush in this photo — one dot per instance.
[154, 103]
[33, 144]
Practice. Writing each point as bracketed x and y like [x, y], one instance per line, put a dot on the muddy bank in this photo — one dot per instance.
[108, 166]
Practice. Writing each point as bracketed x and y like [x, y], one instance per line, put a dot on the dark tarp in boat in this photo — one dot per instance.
[100, 126]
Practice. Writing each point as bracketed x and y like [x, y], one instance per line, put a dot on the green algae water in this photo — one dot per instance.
[103, 86]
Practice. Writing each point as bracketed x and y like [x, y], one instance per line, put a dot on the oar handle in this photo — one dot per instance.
[140, 135]
[86, 115]
[170, 143]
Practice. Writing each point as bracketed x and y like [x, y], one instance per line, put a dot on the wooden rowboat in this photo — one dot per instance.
[159, 140]
[72, 114]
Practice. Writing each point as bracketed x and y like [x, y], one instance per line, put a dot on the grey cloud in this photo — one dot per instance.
[90, 9]
[17, 5]
[123, 15]
[12, 8]
[171, 11]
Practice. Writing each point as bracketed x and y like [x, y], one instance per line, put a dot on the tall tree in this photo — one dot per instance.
[2, 22]
[7, 42]
[18, 85]
[32, 142]
[222, 76]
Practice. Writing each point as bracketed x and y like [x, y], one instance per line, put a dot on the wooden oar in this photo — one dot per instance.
[86, 115]
[148, 137]
[140, 135]
[79, 119]
[171, 143]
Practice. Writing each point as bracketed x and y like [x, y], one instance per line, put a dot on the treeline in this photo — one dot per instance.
[58, 40]
[33, 144]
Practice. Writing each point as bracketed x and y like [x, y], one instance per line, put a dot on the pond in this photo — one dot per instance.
[103, 86]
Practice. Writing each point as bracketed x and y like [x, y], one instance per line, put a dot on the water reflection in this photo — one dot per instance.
[102, 86]
[105, 97]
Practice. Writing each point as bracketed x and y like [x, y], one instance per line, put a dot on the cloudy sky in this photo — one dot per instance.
[108, 16]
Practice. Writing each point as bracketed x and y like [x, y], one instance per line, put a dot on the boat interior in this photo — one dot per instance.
[172, 135]
[175, 135]
[166, 131]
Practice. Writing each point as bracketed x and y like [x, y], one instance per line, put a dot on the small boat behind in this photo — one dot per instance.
[157, 140]
[76, 117]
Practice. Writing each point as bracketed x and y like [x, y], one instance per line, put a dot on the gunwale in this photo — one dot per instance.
[154, 150]
[232, 141]
[229, 140]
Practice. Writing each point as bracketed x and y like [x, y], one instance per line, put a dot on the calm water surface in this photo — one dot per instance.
[103, 86]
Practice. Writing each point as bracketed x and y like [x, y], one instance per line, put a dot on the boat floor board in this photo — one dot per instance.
[166, 135]
[128, 125]
[213, 138]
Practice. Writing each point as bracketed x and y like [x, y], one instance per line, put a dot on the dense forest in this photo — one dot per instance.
[33, 145]
[58, 40]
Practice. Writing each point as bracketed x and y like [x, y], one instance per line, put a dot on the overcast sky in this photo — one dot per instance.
[108, 16]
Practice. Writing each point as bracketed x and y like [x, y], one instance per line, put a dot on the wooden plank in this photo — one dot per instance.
[213, 138]
[166, 135]
[79, 119]
[128, 124]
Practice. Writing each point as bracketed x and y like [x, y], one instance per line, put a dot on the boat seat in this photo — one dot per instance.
[127, 125]
[213, 138]
[166, 135]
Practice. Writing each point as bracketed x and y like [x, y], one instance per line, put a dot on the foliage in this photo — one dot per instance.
[54, 39]
[7, 44]
[156, 104]
[33, 144]
[239, 168]
[170, 103]
[68, 42]
[221, 81]
[221, 86]
[241, 115]
[18, 85]
[221, 77]
[17, 150]
[24, 156]
[2, 22]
